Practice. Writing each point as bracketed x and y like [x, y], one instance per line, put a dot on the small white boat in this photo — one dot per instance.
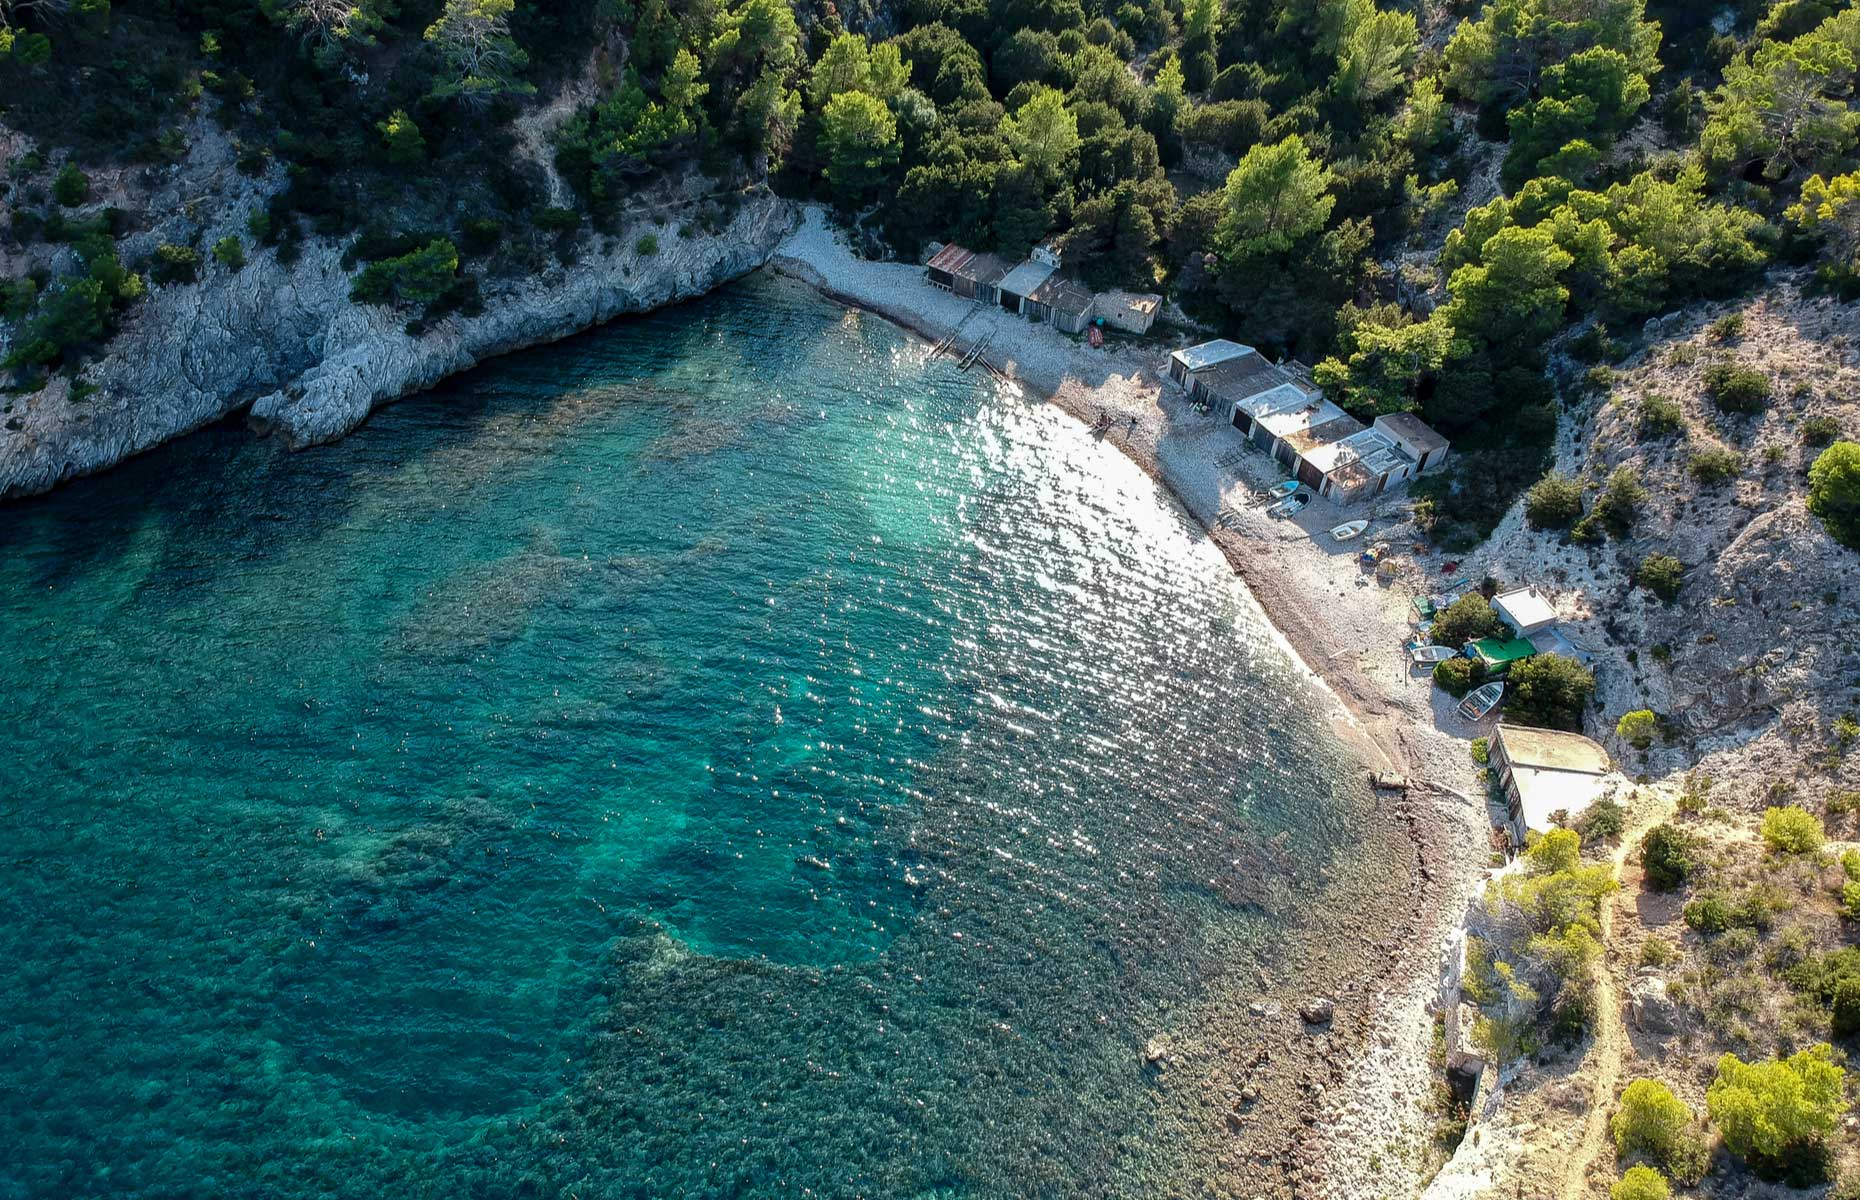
[1481, 700]
[1282, 489]
[1348, 530]
[1288, 508]
[1432, 654]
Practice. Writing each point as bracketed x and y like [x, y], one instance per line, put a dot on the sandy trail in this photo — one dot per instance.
[1603, 1063]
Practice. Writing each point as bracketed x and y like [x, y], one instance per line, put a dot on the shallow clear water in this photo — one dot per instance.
[724, 754]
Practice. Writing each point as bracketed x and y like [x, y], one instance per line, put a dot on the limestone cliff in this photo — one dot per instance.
[286, 342]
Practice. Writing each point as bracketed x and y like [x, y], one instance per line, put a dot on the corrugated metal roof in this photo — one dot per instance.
[984, 269]
[949, 258]
[1063, 295]
[1206, 354]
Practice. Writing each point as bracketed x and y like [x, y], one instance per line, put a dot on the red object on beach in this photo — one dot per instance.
[1095, 336]
[1447, 568]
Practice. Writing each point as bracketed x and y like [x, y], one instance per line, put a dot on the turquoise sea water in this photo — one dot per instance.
[721, 755]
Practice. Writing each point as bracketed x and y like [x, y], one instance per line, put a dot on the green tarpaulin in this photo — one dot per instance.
[1498, 652]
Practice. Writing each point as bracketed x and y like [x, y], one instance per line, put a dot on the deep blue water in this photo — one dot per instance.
[720, 755]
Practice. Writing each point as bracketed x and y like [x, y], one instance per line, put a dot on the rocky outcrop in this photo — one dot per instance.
[286, 342]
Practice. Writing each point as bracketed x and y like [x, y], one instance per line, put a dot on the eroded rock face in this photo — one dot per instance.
[288, 342]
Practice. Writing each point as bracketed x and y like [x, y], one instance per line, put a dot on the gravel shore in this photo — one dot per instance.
[1361, 1130]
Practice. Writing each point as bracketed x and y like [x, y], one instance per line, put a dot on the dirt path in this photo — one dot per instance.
[1604, 1059]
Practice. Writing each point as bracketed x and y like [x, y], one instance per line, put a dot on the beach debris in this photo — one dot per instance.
[1390, 781]
[1319, 1010]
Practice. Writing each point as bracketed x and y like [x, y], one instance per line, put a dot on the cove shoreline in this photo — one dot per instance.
[1360, 1085]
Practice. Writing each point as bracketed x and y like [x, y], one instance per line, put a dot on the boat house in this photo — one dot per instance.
[1061, 302]
[967, 273]
[1415, 438]
[1546, 774]
[1128, 311]
[1280, 410]
[1186, 363]
[1022, 282]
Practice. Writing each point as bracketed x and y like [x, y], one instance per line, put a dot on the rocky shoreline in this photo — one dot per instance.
[286, 344]
[1315, 1110]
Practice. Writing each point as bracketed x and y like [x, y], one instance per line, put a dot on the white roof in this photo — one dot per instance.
[1525, 610]
[1206, 354]
[1286, 418]
[1542, 792]
[1370, 448]
[1022, 280]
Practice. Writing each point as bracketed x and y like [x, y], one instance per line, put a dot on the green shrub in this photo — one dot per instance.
[1653, 1122]
[1710, 913]
[420, 277]
[1792, 830]
[1736, 388]
[1548, 690]
[647, 245]
[1713, 465]
[1661, 574]
[1554, 502]
[558, 220]
[1668, 856]
[1640, 1183]
[402, 143]
[1637, 728]
[1834, 492]
[229, 252]
[1661, 416]
[1727, 328]
[174, 264]
[1819, 431]
[1603, 821]
[1467, 619]
[72, 187]
[1755, 907]
[1618, 507]
[1845, 1008]
[1457, 676]
[1774, 1115]
[1482, 750]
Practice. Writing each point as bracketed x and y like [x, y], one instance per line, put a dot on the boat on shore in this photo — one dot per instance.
[1348, 530]
[1481, 701]
[1432, 654]
[1289, 508]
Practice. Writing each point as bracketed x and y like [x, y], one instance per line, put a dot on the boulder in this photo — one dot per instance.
[1318, 1010]
[1650, 1008]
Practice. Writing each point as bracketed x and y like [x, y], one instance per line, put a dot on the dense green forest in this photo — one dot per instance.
[1422, 199]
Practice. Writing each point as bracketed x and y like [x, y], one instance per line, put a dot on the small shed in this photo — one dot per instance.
[1067, 305]
[1415, 438]
[1544, 772]
[1525, 609]
[1184, 363]
[1129, 311]
[1022, 282]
